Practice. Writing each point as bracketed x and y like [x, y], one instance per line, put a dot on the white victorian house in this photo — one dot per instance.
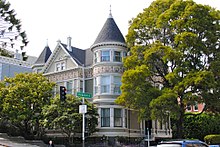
[98, 70]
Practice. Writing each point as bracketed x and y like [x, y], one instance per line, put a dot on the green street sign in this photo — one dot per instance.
[85, 95]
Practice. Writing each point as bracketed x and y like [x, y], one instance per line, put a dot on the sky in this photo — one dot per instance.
[47, 21]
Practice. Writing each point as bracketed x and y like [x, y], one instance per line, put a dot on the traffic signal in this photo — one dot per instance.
[62, 93]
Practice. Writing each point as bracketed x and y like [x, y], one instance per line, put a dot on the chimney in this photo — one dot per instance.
[17, 55]
[69, 44]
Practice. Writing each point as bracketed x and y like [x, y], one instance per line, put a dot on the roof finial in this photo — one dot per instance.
[47, 42]
[110, 12]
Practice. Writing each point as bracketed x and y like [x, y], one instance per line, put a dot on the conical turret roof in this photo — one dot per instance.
[109, 32]
[45, 54]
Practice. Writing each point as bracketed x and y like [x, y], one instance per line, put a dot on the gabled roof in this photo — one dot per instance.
[110, 32]
[83, 57]
[45, 54]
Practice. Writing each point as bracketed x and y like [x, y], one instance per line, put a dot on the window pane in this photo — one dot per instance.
[105, 84]
[58, 68]
[105, 117]
[117, 84]
[126, 118]
[96, 57]
[63, 66]
[117, 117]
[196, 106]
[69, 87]
[105, 56]
[117, 56]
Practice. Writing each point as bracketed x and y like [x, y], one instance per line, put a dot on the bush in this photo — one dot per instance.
[212, 139]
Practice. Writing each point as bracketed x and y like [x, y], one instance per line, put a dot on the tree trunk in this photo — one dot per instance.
[179, 124]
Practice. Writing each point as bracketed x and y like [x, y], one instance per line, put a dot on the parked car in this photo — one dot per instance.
[182, 143]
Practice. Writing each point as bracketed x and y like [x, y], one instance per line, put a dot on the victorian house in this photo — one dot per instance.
[98, 70]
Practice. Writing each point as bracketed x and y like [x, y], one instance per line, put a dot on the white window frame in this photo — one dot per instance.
[105, 117]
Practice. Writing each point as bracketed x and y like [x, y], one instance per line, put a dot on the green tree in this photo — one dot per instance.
[177, 43]
[201, 125]
[11, 34]
[22, 98]
[65, 116]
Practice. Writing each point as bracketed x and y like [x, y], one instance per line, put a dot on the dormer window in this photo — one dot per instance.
[105, 56]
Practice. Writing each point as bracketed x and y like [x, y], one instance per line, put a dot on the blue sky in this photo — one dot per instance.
[46, 21]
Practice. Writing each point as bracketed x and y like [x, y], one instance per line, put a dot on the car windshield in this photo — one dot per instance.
[169, 145]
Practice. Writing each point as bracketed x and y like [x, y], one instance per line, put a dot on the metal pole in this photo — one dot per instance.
[148, 137]
[83, 126]
[83, 102]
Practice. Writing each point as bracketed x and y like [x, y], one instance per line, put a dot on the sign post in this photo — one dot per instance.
[83, 110]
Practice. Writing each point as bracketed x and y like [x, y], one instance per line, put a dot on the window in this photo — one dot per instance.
[63, 66]
[196, 106]
[81, 85]
[69, 87]
[188, 107]
[96, 57]
[117, 56]
[124, 54]
[105, 84]
[126, 118]
[117, 117]
[58, 68]
[105, 56]
[105, 117]
[75, 85]
[117, 84]
[95, 85]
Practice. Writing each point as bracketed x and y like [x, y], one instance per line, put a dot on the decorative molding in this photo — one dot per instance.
[108, 69]
[69, 74]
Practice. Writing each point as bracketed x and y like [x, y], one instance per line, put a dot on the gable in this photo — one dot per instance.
[60, 60]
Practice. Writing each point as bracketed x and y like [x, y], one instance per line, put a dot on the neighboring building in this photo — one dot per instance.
[98, 70]
[10, 66]
[197, 107]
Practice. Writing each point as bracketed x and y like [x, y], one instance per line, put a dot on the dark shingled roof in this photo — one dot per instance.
[45, 54]
[79, 55]
[110, 33]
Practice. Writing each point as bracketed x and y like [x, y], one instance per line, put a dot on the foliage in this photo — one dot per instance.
[65, 116]
[174, 46]
[212, 139]
[22, 98]
[201, 125]
[11, 34]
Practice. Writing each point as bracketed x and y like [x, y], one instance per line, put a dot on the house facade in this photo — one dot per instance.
[98, 70]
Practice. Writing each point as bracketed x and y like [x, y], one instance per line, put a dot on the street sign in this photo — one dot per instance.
[85, 95]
